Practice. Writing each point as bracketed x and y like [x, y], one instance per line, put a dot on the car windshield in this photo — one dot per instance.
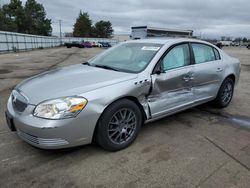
[127, 57]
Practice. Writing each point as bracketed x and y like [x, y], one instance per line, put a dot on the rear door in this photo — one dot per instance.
[208, 71]
[171, 88]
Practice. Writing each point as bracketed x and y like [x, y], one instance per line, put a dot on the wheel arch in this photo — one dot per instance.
[131, 98]
[231, 76]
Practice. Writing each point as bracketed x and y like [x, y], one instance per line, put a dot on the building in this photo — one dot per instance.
[141, 32]
[121, 37]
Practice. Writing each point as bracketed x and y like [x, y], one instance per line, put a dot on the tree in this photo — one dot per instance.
[103, 29]
[239, 39]
[12, 16]
[82, 27]
[36, 21]
[30, 19]
[2, 20]
[244, 39]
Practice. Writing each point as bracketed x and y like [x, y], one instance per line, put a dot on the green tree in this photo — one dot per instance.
[12, 16]
[2, 19]
[239, 39]
[82, 26]
[30, 19]
[36, 21]
[103, 29]
[244, 39]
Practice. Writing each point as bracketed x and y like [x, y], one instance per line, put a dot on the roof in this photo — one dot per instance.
[163, 40]
[161, 29]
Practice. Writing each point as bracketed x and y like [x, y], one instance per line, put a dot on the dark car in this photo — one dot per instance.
[75, 44]
[105, 44]
[248, 46]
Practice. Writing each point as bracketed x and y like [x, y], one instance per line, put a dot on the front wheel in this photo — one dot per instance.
[225, 93]
[119, 125]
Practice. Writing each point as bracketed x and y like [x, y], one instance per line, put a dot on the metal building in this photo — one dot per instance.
[141, 32]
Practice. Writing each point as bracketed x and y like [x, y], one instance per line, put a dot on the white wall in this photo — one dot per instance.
[10, 41]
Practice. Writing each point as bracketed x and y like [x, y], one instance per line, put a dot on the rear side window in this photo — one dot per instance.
[217, 54]
[203, 53]
[177, 57]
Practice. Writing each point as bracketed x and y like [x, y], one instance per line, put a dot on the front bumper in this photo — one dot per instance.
[52, 134]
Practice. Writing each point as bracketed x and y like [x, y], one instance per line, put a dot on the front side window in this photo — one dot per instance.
[127, 57]
[203, 53]
[177, 57]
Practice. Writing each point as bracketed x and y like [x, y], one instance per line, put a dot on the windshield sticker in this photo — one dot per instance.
[151, 48]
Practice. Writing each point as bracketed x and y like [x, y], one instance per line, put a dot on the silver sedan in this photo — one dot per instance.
[108, 98]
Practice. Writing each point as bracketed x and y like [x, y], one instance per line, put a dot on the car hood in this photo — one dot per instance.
[69, 81]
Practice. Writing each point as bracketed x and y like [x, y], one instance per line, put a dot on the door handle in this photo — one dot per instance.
[186, 78]
[191, 76]
[219, 69]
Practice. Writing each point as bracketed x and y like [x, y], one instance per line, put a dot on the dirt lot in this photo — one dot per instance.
[201, 147]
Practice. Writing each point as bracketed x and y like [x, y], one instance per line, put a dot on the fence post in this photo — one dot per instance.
[25, 42]
[17, 42]
[7, 42]
[12, 41]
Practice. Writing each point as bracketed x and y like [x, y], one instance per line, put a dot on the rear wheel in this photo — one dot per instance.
[225, 93]
[119, 125]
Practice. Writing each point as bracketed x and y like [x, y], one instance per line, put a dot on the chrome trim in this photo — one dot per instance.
[41, 141]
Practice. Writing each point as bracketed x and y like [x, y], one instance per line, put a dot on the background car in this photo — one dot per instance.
[79, 44]
[109, 98]
[248, 46]
[105, 44]
[93, 44]
[87, 44]
[98, 44]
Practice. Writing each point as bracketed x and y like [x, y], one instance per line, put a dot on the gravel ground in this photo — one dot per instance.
[200, 147]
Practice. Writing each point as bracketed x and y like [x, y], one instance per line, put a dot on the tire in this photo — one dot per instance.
[225, 93]
[114, 132]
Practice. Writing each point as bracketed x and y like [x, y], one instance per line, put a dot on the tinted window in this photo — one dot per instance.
[177, 57]
[203, 53]
[217, 54]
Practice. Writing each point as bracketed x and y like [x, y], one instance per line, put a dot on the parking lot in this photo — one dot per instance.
[200, 147]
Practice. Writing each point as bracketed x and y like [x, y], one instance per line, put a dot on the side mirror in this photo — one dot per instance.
[158, 72]
[158, 69]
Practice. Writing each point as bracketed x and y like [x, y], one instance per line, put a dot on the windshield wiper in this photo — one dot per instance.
[86, 63]
[107, 67]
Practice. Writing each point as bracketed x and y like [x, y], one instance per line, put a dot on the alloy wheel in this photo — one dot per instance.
[122, 126]
[227, 93]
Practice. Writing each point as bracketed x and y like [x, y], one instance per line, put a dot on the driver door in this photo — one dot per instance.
[172, 88]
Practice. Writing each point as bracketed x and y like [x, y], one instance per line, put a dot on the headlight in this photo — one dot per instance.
[61, 108]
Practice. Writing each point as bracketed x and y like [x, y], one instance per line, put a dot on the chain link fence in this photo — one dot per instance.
[14, 42]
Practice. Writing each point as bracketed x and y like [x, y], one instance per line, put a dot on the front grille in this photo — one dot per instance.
[41, 141]
[19, 102]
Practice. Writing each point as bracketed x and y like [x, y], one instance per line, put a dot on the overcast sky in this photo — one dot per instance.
[209, 18]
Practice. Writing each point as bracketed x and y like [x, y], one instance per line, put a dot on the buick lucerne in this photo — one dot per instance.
[110, 97]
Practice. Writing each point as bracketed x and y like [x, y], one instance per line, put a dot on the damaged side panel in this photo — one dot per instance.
[170, 92]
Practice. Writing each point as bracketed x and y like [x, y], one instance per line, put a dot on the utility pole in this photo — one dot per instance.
[60, 26]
